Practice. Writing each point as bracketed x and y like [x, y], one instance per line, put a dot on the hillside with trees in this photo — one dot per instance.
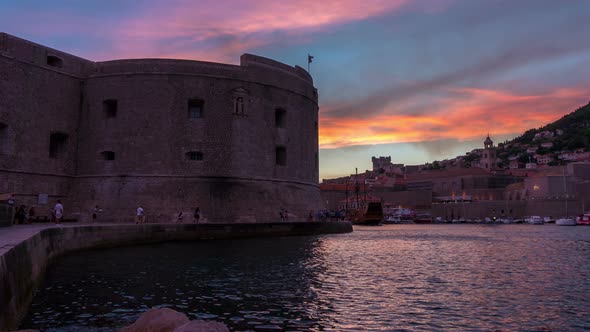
[570, 134]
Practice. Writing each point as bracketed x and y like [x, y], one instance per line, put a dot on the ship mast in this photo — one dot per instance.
[565, 192]
[356, 186]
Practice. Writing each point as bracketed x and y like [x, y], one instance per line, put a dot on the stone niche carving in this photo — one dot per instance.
[240, 101]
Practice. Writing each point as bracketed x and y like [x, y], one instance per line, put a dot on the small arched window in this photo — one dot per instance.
[54, 61]
[194, 155]
[280, 118]
[108, 155]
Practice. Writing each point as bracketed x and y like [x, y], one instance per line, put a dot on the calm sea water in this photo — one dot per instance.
[387, 278]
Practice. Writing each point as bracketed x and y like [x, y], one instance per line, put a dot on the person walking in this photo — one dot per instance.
[31, 215]
[59, 212]
[140, 218]
[11, 203]
[20, 215]
[95, 212]
[197, 214]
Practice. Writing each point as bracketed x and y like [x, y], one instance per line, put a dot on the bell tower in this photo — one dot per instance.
[488, 160]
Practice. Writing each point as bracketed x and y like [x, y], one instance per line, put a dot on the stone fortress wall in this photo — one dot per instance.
[240, 142]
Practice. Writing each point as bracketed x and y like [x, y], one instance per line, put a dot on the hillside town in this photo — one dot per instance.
[509, 181]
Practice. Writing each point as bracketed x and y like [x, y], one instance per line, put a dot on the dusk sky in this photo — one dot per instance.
[415, 80]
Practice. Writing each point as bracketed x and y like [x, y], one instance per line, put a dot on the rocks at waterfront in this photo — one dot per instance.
[157, 320]
[168, 320]
[202, 326]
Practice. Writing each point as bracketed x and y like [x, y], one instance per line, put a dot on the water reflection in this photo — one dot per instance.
[398, 277]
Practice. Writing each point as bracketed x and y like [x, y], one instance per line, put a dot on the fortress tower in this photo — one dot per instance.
[238, 141]
[381, 163]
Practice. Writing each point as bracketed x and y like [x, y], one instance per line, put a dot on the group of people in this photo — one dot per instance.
[140, 216]
[24, 216]
[196, 216]
[21, 216]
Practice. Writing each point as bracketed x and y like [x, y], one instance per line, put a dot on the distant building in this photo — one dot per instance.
[574, 156]
[544, 159]
[514, 164]
[381, 163]
[488, 156]
[543, 135]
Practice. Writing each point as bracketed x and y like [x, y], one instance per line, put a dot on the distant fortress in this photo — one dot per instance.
[239, 142]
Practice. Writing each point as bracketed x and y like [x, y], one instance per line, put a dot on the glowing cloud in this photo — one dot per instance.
[220, 30]
[464, 114]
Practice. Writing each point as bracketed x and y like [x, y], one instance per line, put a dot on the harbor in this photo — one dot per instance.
[401, 277]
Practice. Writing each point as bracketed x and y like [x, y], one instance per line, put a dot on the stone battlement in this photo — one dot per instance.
[46, 57]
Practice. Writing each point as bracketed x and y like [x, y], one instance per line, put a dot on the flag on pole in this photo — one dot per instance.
[309, 58]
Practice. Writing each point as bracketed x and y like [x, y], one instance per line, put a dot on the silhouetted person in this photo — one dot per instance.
[197, 215]
[95, 212]
[31, 215]
[20, 215]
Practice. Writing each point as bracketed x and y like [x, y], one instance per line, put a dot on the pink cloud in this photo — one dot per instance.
[467, 113]
[222, 30]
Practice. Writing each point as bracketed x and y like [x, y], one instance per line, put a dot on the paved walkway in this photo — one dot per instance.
[13, 235]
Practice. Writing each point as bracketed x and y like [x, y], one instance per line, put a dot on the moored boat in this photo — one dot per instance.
[536, 220]
[371, 215]
[583, 219]
[565, 222]
[392, 219]
[423, 218]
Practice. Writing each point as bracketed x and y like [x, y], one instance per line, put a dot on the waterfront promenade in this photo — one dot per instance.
[10, 237]
[27, 250]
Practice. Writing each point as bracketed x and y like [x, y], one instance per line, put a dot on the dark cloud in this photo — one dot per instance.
[527, 48]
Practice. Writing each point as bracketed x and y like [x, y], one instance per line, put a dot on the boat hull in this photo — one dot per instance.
[565, 222]
[372, 215]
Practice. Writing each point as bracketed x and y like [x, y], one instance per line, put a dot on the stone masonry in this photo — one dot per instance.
[239, 142]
